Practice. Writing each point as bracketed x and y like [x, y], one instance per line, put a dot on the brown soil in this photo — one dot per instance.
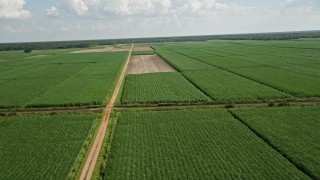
[37, 56]
[93, 155]
[106, 49]
[148, 64]
[142, 48]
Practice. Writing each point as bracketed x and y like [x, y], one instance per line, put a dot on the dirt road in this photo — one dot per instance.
[92, 158]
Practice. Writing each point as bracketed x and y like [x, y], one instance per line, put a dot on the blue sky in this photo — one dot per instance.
[54, 20]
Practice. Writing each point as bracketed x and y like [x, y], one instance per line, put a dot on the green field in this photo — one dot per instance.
[160, 88]
[224, 86]
[284, 66]
[59, 79]
[191, 144]
[42, 147]
[201, 122]
[180, 62]
[143, 52]
[299, 85]
[292, 130]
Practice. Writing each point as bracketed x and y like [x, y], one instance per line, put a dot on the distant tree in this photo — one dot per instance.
[27, 50]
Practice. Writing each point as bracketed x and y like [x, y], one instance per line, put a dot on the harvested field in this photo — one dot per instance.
[142, 48]
[36, 56]
[148, 64]
[106, 49]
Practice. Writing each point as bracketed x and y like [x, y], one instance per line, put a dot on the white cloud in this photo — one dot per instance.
[53, 11]
[15, 30]
[13, 9]
[105, 8]
[79, 7]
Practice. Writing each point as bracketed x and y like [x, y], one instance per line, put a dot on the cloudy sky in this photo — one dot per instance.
[52, 20]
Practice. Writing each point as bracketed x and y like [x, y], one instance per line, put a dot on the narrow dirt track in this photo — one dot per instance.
[92, 158]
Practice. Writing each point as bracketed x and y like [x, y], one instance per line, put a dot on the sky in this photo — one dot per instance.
[56, 20]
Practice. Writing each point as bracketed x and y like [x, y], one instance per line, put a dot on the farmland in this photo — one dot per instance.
[42, 146]
[281, 66]
[292, 130]
[148, 64]
[156, 88]
[190, 110]
[224, 86]
[60, 79]
[191, 144]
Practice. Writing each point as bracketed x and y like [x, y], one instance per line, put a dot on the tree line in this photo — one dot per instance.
[27, 46]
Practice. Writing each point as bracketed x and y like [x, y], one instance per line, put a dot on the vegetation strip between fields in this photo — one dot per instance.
[265, 139]
[91, 161]
[98, 109]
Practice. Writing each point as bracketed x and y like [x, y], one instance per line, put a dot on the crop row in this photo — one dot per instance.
[223, 86]
[180, 62]
[191, 144]
[42, 147]
[60, 80]
[160, 88]
[294, 131]
[295, 76]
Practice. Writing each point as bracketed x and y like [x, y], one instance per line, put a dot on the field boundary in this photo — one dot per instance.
[226, 105]
[267, 141]
[165, 106]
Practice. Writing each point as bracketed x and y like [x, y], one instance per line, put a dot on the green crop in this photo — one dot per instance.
[160, 88]
[297, 84]
[294, 131]
[148, 52]
[59, 79]
[191, 144]
[224, 86]
[180, 62]
[41, 147]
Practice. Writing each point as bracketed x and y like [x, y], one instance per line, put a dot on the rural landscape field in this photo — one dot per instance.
[149, 89]
[218, 109]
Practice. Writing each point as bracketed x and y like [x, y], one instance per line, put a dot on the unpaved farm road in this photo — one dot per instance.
[92, 158]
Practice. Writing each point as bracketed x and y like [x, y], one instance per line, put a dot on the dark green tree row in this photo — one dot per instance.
[89, 43]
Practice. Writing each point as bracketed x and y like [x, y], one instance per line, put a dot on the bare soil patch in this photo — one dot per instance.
[148, 64]
[106, 49]
[36, 56]
[142, 48]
